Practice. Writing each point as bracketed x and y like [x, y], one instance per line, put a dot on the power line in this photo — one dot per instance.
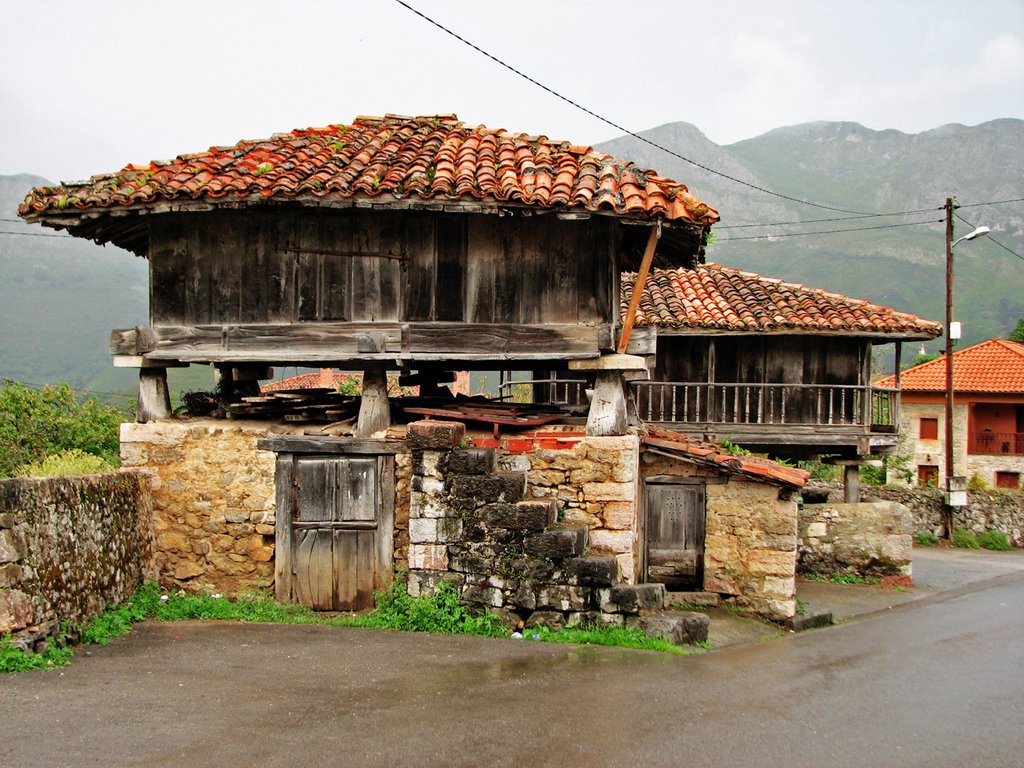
[828, 231]
[992, 202]
[1008, 250]
[30, 234]
[817, 221]
[618, 127]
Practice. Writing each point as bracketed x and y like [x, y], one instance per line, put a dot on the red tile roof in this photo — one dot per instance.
[713, 455]
[388, 159]
[712, 297]
[996, 366]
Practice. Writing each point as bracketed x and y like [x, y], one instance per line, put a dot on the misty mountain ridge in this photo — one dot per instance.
[60, 297]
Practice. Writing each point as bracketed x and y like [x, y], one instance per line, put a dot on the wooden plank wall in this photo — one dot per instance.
[297, 266]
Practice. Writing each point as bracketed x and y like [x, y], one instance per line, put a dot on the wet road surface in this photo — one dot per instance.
[939, 682]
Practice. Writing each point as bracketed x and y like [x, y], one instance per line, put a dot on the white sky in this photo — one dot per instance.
[87, 87]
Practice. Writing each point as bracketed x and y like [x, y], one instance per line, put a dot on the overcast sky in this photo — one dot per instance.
[88, 87]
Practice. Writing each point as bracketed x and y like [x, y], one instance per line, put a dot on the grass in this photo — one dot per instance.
[965, 539]
[842, 578]
[440, 612]
[926, 539]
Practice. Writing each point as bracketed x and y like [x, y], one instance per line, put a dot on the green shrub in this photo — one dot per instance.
[65, 464]
[35, 424]
[439, 612]
[977, 483]
[926, 539]
[965, 539]
[13, 659]
[996, 540]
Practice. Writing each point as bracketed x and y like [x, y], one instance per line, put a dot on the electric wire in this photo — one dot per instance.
[836, 218]
[827, 231]
[618, 127]
[989, 237]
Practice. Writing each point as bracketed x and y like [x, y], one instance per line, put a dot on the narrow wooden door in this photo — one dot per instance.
[675, 534]
[336, 532]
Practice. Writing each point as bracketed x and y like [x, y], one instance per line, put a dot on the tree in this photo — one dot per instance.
[1018, 333]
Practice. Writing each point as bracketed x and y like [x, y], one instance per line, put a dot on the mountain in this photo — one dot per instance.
[845, 165]
[59, 299]
[61, 296]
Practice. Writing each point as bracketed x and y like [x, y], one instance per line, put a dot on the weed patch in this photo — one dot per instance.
[13, 659]
[926, 539]
[965, 539]
[994, 540]
[841, 578]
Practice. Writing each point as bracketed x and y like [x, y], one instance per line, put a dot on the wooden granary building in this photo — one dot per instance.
[426, 246]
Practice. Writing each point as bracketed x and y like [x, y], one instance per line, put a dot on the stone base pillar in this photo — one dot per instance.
[609, 411]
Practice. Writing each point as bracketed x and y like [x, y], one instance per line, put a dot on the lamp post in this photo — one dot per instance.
[955, 493]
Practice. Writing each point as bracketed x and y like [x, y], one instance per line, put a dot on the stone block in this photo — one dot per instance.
[640, 599]
[593, 571]
[614, 542]
[11, 575]
[595, 618]
[8, 520]
[551, 619]
[817, 530]
[525, 597]
[485, 489]
[520, 516]
[185, 571]
[557, 543]
[11, 550]
[426, 582]
[619, 515]
[16, 610]
[809, 621]
[482, 595]
[470, 461]
[428, 557]
[609, 491]
[700, 599]
[678, 627]
[173, 541]
[563, 598]
[437, 530]
[435, 435]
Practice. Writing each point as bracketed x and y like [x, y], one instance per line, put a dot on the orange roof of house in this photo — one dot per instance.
[996, 365]
[713, 297]
[713, 455]
[387, 159]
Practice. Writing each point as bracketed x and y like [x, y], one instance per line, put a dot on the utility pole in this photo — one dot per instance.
[947, 509]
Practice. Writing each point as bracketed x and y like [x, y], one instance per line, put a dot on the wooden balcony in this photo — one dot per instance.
[996, 443]
[775, 414]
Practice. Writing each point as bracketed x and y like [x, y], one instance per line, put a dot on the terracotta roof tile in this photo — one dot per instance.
[712, 297]
[709, 454]
[996, 365]
[389, 158]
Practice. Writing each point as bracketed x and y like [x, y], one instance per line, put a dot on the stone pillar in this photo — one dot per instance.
[374, 409]
[851, 483]
[609, 414]
[154, 399]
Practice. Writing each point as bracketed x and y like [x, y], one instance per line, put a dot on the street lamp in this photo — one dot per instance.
[956, 490]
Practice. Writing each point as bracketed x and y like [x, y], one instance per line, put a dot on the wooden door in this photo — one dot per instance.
[335, 516]
[675, 533]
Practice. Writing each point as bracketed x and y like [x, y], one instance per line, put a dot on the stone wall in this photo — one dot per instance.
[70, 547]
[472, 522]
[985, 510]
[213, 501]
[869, 539]
[750, 537]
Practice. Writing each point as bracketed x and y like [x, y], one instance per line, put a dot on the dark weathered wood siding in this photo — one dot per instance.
[352, 266]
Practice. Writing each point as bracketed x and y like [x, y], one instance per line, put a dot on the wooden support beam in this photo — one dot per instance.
[154, 398]
[374, 409]
[638, 288]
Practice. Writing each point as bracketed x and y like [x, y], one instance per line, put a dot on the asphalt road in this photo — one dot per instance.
[938, 682]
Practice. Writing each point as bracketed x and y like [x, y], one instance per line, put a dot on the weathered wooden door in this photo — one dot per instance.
[335, 518]
[675, 533]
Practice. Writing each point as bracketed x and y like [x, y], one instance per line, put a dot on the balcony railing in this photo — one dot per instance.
[775, 404]
[997, 443]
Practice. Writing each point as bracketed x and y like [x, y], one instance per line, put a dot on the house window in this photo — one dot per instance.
[1008, 480]
[929, 429]
[928, 476]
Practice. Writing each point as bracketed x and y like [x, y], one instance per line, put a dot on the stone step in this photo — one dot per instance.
[696, 599]
[809, 621]
[678, 627]
[557, 543]
[640, 599]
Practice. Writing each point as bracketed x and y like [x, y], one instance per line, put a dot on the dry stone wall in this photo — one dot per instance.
[869, 539]
[472, 522]
[213, 501]
[70, 547]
